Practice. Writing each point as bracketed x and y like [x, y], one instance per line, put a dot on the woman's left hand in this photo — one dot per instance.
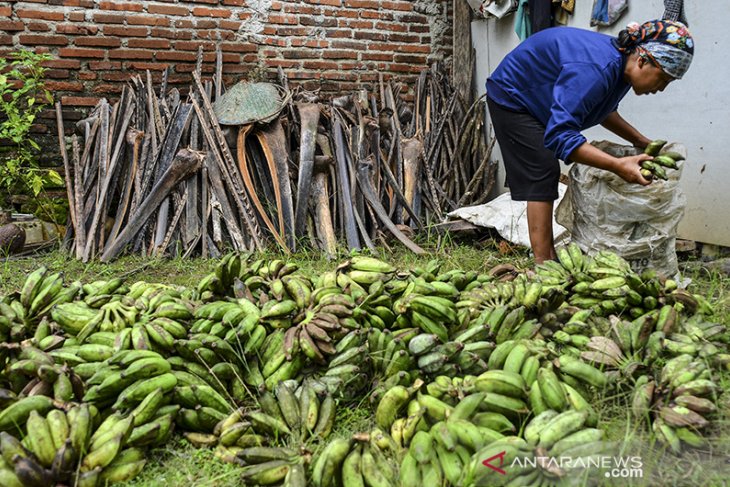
[630, 169]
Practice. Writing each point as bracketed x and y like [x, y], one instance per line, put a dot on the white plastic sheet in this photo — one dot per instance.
[508, 218]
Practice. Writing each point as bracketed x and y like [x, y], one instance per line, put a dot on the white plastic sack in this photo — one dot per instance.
[508, 218]
[639, 223]
[492, 8]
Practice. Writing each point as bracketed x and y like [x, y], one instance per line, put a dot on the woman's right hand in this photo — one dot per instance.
[630, 169]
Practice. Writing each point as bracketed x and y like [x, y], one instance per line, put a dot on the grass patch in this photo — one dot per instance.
[179, 463]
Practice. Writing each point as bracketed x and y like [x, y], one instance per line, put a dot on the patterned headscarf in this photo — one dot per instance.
[667, 43]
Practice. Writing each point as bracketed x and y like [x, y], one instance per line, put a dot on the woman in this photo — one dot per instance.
[563, 80]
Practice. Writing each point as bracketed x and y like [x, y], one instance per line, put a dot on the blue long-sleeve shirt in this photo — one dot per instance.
[569, 79]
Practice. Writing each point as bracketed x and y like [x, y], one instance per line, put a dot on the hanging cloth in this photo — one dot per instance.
[674, 10]
[541, 14]
[607, 12]
[562, 10]
[522, 20]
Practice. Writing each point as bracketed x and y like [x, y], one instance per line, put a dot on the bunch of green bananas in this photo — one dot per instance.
[349, 369]
[678, 402]
[63, 447]
[126, 378]
[34, 372]
[661, 161]
[42, 290]
[363, 459]
[431, 313]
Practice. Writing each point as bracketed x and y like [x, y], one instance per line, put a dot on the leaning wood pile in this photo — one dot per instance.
[156, 173]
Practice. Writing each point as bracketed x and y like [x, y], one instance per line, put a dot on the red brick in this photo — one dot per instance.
[62, 63]
[104, 65]
[11, 25]
[126, 31]
[229, 24]
[74, 52]
[108, 89]
[211, 12]
[6, 40]
[304, 10]
[148, 20]
[193, 46]
[372, 4]
[176, 56]
[38, 27]
[149, 43]
[64, 86]
[130, 54]
[377, 56]
[312, 64]
[105, 18]
[332, 54]
[116, 76]
[391, 27]
[142, 66]
[171, 34]
[282, 19]
[6, 11]
[57, 73]
[39, 39]
[167, 10]
[206, 24]
[87, 76]
[81, 101]
[39, 14]
[183, 24]
[403, 6]
[123, 6]
[98, 41]
[233, 3]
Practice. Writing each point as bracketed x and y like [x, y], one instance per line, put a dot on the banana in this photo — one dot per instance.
[502, 382]
[561, 426]
[40, 440]
[352, 475]
[582, 371]
[103, 455]
[551, 389]
[16, 415]
[32, 285]
[494, 421]
[372, 470]
[267, 473]
[329, 462]
[536, 425]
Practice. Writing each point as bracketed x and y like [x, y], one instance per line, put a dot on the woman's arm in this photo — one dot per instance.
[616, 124]
[628, 168]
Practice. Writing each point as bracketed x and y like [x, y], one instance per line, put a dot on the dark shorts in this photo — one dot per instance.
[532, 171]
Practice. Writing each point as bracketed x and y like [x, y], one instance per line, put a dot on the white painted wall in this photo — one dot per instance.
[694, 111]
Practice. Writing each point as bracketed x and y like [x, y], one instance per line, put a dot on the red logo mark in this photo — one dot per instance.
[488, 462]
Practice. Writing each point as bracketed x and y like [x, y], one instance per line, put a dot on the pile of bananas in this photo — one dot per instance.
[254, 362]
[657, 167]
[678, 402]
[363, 459]
[59, 443]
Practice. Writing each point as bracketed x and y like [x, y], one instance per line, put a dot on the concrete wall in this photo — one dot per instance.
[693, 111]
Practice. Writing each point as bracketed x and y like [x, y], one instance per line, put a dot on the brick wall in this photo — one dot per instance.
[332, 45]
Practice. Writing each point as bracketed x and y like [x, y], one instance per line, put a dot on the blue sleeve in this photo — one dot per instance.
[578, 90]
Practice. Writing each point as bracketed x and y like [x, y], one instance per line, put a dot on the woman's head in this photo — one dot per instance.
[660, 51]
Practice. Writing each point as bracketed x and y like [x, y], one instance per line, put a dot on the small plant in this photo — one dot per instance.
[22, 97]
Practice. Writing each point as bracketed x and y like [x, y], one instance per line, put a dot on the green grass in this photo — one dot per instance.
[179, 463]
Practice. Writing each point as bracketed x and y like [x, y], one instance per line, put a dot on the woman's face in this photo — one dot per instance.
[647, 78]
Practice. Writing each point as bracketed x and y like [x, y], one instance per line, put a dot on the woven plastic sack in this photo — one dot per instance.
[639, 223]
